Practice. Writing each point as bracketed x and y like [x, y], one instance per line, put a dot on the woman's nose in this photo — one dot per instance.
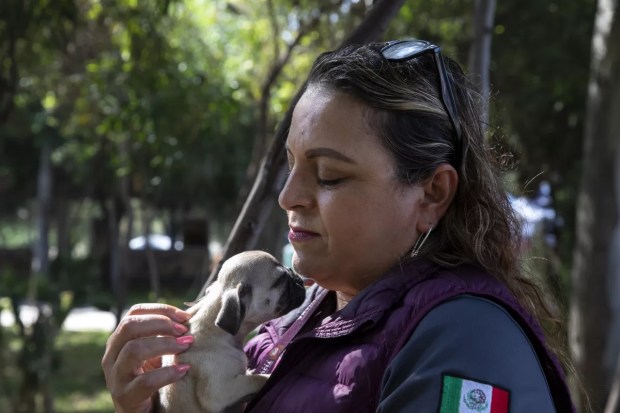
[296, 192]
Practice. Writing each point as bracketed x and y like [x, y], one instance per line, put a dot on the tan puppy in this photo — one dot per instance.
[251, 288]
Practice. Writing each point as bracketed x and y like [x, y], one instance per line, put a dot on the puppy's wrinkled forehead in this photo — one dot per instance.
[248, 266]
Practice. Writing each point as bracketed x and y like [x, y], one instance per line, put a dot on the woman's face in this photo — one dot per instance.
[350, 219]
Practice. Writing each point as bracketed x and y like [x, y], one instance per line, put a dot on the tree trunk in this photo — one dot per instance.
[64, 223]
[40, 260]
[272, 173]
[45, 370]
[150, 255]
[117, 282]
[480, 52]
[262, 137]
[375, 23]
[125, 189]
[595, 279]
[5, 396]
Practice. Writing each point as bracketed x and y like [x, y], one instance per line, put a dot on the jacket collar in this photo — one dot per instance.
[370, 305]
[365, 309]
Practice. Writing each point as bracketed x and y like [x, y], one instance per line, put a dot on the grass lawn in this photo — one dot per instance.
[78, 383]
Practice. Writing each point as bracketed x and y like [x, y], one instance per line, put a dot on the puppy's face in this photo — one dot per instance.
[256, 288]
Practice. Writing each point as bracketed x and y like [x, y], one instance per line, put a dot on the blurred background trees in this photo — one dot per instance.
[144, 123]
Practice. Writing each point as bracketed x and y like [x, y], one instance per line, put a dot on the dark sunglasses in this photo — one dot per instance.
[403, 50]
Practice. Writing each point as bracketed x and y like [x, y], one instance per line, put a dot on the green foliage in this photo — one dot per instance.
[446, 22]
[134, 96]
[539, 75]
[80, 385]
[37, 359]
[159, 101]
[541, 52]
[154, 100]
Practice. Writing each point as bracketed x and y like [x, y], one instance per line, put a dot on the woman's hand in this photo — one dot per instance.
[132, 359]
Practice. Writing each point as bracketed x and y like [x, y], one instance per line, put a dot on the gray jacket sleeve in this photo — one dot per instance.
[467, 337]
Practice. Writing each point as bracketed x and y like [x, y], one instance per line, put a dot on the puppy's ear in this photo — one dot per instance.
[231, 312]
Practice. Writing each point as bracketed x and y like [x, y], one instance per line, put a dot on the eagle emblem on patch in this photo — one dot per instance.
[464, 395]
[476, 400]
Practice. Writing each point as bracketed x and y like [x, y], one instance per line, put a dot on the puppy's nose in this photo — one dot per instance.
[293, 293]
[294, 276]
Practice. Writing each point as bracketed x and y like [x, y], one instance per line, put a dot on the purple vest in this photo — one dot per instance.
[337, 363]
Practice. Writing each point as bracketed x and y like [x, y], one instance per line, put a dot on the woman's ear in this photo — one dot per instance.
[439, 191]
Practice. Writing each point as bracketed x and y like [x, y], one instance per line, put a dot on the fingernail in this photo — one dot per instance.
[180, 328]
[182, 316]
[182, 368]
[185, 340]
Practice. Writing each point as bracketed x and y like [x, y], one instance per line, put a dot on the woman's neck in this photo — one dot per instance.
[342, 299]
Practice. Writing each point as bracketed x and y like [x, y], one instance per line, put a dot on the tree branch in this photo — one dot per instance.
[272, 173]
[375, 23]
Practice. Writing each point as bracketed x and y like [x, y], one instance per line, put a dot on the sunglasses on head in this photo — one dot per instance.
[404, 50]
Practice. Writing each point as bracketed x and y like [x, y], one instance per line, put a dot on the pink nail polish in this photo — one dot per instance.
[180, 328]
[185, 340]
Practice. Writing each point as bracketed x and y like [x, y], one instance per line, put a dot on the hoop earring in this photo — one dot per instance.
[420, 242]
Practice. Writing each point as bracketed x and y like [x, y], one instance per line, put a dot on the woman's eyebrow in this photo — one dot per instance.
[329, 153]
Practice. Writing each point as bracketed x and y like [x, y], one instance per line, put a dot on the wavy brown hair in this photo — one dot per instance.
[407, 112]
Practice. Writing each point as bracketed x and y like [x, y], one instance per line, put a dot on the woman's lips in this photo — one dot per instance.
[298, 235]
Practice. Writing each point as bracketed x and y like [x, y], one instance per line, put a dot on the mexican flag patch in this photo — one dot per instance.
[460, 395]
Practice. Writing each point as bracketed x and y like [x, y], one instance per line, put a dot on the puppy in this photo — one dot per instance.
[251, 288]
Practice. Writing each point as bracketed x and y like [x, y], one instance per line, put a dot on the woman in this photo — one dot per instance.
[396, 212]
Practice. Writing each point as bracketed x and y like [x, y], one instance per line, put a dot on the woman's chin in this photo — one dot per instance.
[306, 268]
[300, 268]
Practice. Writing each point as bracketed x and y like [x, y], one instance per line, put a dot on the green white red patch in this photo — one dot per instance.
[459, 395]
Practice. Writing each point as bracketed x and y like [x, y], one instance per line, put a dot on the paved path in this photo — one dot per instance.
[79, 319]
